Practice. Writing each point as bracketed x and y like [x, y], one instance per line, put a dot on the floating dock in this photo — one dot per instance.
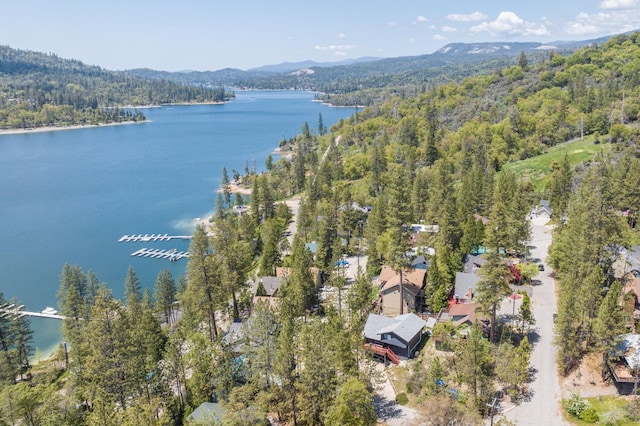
[173, 255]
[11, 310]
[153, 237]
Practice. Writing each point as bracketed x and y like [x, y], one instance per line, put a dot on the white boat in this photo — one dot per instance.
[49, 311]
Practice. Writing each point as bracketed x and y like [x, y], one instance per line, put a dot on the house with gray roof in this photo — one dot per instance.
[473, 263]
[270, 284]
[401, 334]
[465, 286]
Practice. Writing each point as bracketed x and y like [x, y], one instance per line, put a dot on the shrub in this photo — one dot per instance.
[402, 398]
[589, 415]
[576, 404]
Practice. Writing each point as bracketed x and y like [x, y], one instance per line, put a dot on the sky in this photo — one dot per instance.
[175, 35]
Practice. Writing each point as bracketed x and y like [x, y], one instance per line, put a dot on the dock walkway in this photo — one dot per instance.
[173, 254]
[153, 237]
[11, 309]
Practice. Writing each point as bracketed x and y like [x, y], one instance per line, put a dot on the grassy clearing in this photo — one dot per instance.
[612, 410]
[538, 169]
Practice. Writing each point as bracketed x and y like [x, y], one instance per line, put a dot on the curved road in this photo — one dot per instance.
[543, 407]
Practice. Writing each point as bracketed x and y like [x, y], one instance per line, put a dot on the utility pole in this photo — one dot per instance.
[492, 408]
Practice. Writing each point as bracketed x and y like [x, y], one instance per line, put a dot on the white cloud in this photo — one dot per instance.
[448, 29]
[438, 37]
[618, 4]
[584, 24]
[341, 35]
[511, 25]
[421, 18]
[470, 17]
[340, 54]
[339, 47]
[391, 24]
[613, 22]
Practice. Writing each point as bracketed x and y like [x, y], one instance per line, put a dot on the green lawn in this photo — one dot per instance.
[538, 169]
[606, 406]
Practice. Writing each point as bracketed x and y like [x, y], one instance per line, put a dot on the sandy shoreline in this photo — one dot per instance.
[59, 128]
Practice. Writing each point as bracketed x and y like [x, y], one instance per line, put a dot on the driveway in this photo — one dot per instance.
[543, 405]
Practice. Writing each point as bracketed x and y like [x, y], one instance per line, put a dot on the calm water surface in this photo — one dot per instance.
[68, 196]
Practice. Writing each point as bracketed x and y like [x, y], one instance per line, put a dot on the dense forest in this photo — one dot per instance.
[39, 90]
[438, 156]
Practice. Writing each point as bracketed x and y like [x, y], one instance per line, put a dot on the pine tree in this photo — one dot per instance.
[475, 366]
[203, 295]
[560, 187]
[226, 187]
[353, 406]
[522, 61]
[259, 345]
[132, 288]
[492, 288]
[322, 130]
[609, 324]
[318, 379]
[165, 292]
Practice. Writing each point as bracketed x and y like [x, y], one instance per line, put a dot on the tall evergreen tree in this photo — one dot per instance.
[203, 295]
[560, 186]
[492, 288]
[165, 292]
[226, 187]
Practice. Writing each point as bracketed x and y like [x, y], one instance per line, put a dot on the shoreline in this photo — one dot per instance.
[59, 128]
[88, 126]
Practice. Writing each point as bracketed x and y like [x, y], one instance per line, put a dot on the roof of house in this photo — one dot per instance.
[473, 262]
[629, 347]
[478, 217]
[420, 262]
[412, 279]
[234, 333]
[465, 283]
[464, 312]
[270, 284]
[405, 327]
[544, 207]
[208, 411]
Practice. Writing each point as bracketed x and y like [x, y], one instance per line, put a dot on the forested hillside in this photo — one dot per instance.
[371, 82]
[435, 157]
[38, 90]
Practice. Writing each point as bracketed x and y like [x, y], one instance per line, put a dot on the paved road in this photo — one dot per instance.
[543, 407]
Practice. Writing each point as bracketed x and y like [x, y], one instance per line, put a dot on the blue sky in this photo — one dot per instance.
[210, 35]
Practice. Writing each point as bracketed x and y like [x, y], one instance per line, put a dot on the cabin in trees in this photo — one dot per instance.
[624, 363]
[461, 314]
[412, 290]
[463, 291]
[401, 334]
[542, 210]
[267, 286]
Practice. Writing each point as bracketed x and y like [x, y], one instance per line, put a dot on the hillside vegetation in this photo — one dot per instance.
[446, 156]
[38, 90]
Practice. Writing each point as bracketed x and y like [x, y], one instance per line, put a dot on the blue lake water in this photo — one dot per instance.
[68, 196]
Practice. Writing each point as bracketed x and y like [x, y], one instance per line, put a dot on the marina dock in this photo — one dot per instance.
[172, 255]
[153, 237]
[6, 310]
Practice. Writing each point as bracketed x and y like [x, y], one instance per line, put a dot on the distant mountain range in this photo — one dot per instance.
[287, 67]
[316, 75]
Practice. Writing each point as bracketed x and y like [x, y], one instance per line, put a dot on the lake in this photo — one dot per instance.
[68, 196]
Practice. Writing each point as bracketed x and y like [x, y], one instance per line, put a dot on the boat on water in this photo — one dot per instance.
[49, 311]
